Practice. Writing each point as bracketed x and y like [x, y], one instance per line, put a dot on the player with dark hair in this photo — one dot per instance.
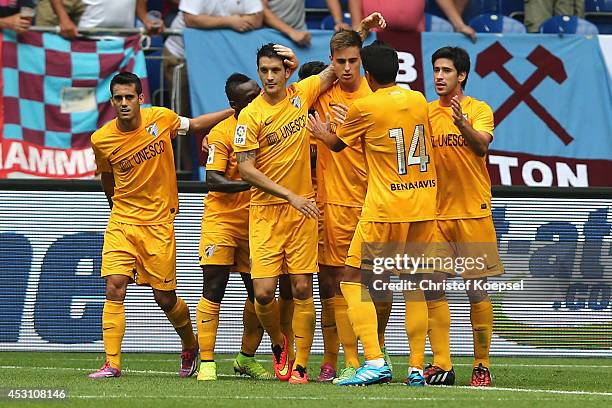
[399, 207]
[136, 165]
[311, 68]
[274, 156]
[462, 131]
[224, 245]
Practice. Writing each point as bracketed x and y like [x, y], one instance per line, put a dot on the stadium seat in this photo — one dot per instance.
[321, 4]
[437, 24]
[512, 8]
[496, 23]
[598, 7]
[599, 12]
[328, 22]
[568, 25]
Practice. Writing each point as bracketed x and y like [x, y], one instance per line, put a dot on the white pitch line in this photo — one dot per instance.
[307, 398]
[475, 389]
[94, 369]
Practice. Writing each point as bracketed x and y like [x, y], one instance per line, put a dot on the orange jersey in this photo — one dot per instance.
[465, 187]
[226, 211]
[278, 133]
[341, 177]
[142, 163]
[392, 123]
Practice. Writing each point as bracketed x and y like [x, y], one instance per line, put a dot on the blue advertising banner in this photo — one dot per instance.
[213, 55]
[551, 94]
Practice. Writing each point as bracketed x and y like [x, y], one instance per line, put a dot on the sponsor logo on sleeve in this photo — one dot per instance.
[240, 135]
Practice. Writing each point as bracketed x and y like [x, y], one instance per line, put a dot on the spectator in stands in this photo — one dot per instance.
[288, 17]
[10, 17]
[538, 11]
[71, 15]
[453, 10]
[400, 15]
[169, 10]
[238, 15]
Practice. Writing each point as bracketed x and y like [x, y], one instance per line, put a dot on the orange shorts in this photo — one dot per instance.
[473, 240]
[374, 241]
[336, 230]
[217, 249]
[145, 253]
[279, 236]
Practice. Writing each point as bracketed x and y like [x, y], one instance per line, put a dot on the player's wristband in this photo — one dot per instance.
[184, 126]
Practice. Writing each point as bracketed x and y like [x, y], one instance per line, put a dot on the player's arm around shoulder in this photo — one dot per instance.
[203, 122]
[219, 154]
[478, 140]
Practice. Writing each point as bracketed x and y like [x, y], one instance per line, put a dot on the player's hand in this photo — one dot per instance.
[306, 206]
[205, 145]
[374, 20]
[290, 59]
[317, 127]
[301, 38]
[458, 118]
[17, 23]
[468, 32]
[340, 112]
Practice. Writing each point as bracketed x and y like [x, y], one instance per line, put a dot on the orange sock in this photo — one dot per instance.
[481, 316]
[207, 315]
[286, 324]
[362, 313]
[269, 316]
[303, 329]
[181, 321]
[439, 333]
[113, 329]
[330, 333]
[416, 326]
[383, 311]
[252, 331]
[345, 333]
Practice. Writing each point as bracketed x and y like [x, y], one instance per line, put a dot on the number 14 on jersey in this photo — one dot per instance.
[411, 159]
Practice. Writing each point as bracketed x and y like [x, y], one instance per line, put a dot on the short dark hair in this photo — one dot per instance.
[344, 39]
[232, 82]
[126, 78]
[267, 50]
[311, 68]
[380, 60]
[460, 58]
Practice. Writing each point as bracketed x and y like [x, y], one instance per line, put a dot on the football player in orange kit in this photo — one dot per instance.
[135, 161]
[462, 129]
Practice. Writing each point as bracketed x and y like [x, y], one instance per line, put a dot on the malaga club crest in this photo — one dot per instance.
[153, 130]
[209, 250]
[296, 102]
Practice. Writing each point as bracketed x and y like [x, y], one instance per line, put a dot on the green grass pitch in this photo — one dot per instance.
[152, 380]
